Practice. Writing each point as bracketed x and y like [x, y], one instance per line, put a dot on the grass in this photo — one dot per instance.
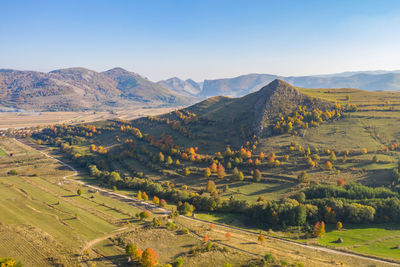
[2, 153]
[378, 240]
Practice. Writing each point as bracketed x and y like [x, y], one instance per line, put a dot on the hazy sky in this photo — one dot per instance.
[201, 39]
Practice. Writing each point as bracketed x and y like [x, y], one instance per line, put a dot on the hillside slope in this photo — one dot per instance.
[81, 89]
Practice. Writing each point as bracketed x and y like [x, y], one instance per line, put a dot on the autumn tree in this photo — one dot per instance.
[319, 229]
[261, 238]
[213, 167]
[206, 238]
[328, 165]
[186, 171]
[149, 258]
[163, 203]
[138, 255]
[340, 182]
[339, 226]
[139, 195]
[207, 172]
[145, 196]
[220, 171]
[161, 157]
[79, 192]
[169, 160]
[211, 187]
[156, 200]
[262, 156]
[228, 235]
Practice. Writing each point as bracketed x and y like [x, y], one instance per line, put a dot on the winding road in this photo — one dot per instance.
[144, 205]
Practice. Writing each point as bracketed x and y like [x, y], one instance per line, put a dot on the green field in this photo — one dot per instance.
[378, 240]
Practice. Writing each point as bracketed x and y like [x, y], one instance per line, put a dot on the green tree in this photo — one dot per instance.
[257, 175]
[130, 250]
[79, 192]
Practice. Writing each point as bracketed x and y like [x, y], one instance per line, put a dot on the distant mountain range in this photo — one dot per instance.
[245, 84]
[84, 89]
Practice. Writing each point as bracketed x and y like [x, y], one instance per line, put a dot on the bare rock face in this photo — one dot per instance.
[279, 99]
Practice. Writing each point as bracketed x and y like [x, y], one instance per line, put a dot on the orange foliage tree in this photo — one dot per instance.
[149, 258]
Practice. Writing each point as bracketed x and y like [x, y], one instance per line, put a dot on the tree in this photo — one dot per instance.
[257, 175]
[228, 235]
[261, 238]
[319, 229]
[341, 182]
[301, 214]
[262, 156]
[213, 167]
[220, 171]
[149, 258]
[328, 165]
[339, 226]
[185, 208]
[229, 165]
[301, 197]
[241, 176]
[302, 177]
[79, 192]
[161, 157]
[163, 203]
[206, 238]
[156, 200]
[139, 195]
[169, 160]
[145, 196]
[130, 250]
[332, 157]
[211, 187]
[207, 172]
[9, 262]
[138, 255]
[186, 171]
[228, 152]
[178, 262]
[364, 151]
[144, 215]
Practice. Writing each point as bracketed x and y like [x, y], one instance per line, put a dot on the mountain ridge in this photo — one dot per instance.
[74, 89]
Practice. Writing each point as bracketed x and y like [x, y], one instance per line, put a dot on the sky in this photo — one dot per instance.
[205, 39]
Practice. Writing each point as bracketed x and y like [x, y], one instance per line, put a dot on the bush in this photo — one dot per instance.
[12, 172]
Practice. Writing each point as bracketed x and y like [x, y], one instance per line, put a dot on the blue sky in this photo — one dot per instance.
[201, 39]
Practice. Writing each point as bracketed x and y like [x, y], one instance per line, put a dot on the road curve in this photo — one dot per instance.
[166, 212]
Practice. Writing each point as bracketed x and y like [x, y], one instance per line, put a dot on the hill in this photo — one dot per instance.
[81, 89]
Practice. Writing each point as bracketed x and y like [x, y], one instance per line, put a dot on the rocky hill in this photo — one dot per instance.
[81, 89]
